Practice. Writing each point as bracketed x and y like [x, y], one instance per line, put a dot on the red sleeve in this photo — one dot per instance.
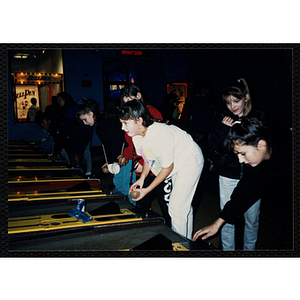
[129, 149]
[154, 112]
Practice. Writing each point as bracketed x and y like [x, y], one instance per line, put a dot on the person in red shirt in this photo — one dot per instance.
[132, 92]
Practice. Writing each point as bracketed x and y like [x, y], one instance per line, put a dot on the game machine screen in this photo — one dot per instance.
[114, 83]
[179, 90]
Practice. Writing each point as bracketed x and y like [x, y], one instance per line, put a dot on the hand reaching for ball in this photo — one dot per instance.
[122, 160]
[136, 192]
[105, 168]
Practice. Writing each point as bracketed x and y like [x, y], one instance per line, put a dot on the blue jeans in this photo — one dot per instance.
[88, 159]
[227, 185]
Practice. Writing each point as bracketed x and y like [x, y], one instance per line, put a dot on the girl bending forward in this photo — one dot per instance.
[172, 156]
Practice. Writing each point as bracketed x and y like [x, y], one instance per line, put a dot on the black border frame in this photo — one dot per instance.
[115, 46]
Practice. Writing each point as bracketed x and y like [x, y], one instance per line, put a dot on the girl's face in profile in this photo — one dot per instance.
[235, 105]
[88, 119]
[132, 127]
[130, 98]
[45, 124]
[61, 102]
[252, 155]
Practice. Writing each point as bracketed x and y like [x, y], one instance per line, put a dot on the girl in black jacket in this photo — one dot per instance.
[265, 153]
[236, 97]
[107, 127]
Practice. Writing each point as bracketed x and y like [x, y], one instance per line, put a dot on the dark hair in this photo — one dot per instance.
[133, 110]
[130, 90]
[87, 105]
[248, 132]
[54, 100]
[33, 101]
[67, 98]
[238, 89]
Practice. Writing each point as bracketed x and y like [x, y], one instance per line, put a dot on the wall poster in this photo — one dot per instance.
[24, 93]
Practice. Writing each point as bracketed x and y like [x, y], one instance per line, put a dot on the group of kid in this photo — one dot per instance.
[166, 160]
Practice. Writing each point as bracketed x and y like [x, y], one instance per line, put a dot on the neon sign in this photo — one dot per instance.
[145, 53]
[37, 78]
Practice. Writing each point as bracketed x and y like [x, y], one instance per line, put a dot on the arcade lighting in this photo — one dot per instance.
[21, 55]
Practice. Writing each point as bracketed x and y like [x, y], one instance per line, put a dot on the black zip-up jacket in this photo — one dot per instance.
[71, 135]
[227, 163]
[270, 181]
[111, 135]
[248, 191]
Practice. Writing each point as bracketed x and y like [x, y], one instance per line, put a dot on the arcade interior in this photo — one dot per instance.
[43, 193]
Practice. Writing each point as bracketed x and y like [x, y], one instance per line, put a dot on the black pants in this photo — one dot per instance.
[162, 193]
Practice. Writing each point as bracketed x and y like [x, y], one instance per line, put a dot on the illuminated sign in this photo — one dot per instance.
[23, 96]
[37, 78]
[145, 53]
[24, 93]
[177, 88]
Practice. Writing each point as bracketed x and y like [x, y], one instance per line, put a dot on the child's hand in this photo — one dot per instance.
[105, 168]
[227, 121]
[209, 231]
[137, 186]
[137, 194]
[205, 232]
[122, 160]
[138, 168]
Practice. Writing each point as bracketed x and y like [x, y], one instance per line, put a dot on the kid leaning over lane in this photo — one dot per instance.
[172, 156]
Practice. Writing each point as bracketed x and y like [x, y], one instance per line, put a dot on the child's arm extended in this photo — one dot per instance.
[209, 231]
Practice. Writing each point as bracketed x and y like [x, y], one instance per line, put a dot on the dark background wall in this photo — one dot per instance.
[267, 70]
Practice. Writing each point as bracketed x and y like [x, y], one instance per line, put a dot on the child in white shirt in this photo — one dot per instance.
[170, 153]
